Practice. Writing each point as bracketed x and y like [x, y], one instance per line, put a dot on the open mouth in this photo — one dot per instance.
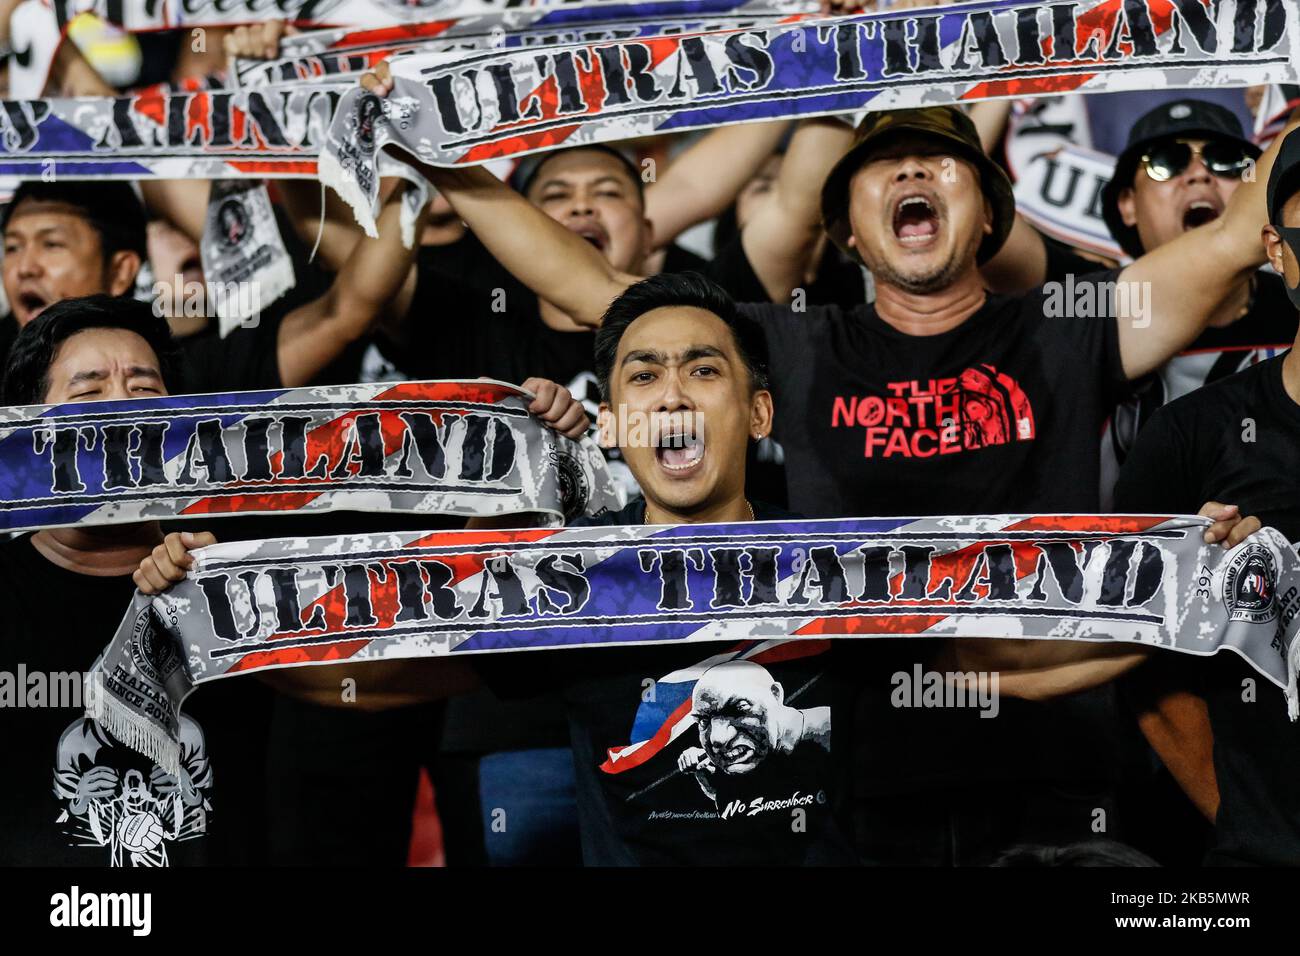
[740, 753]
[33, 303]
[679, 452]
[593, 234]
[916, 221]
[1199, 212]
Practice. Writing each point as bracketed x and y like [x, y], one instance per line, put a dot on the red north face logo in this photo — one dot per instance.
[979, 408]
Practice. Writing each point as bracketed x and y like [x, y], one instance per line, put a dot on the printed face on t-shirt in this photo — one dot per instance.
[52, 253]
[591, 193]
[918, 215]
[735, 707]
[100, 365]
[1164, 211]
[682, 409]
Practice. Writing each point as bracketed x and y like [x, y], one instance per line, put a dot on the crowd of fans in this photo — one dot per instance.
[860, 316]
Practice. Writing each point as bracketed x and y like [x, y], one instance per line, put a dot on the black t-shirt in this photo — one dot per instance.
[680, 259]
[753, 783]
[838, 281]
[73, 795]
[1236, 441]
[1000, 414]
[245, 360]
[861, 412]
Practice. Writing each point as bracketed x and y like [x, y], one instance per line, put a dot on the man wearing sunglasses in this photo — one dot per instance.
[1237, 440]
[1183, 162]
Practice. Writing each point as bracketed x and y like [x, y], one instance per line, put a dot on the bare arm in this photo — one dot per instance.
[339, 233]
[182, 202]
[1177, 726]
[1184, 282]
[1021, 263]
[1041, 670]
[990, 119]
[375, 685]
[377, 279]
[781, 234]
[705, 178]
[72, 75]
[553, 262]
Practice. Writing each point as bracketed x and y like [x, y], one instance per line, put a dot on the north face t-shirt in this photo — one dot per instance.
[1000, 414]
[703, 754]
[73, 795]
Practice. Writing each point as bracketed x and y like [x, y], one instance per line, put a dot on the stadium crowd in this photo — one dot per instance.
[864, 320]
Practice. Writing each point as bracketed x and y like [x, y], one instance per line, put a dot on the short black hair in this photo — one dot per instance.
[27, 369]
[666, 290]
[1085, 853]
[112, 209]
[527, 172]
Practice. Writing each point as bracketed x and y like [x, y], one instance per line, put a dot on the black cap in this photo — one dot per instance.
[946, 123]
[1284, 179]
[1197, 119]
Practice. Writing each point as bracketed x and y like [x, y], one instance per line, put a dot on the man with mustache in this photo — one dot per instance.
[1183, 162]
[1235, 440]
[878, 404]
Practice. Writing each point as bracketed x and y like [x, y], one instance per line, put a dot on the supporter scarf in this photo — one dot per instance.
[245, 264]
[1148, 581]
[330, 53]
[463, 448]
[450, 109]
[1059, 192]
[37, 27]
[170, 134]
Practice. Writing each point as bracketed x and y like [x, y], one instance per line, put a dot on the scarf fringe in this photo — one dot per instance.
[141, 734]
[332, 174]
[1292, 677]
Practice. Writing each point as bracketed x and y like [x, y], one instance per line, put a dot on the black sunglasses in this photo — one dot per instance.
[1224, 158]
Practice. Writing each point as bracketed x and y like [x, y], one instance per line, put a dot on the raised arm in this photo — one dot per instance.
[377, 279]
[705, 179]
[781, 234]
[556, 264]
[1180, 285]
[1021, 263]
[1041, 670]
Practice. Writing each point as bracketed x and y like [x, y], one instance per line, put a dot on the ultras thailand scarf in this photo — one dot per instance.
[1147, 581]
[469, 107]
[461, 448]
[38, 27]
[330, 53]
[451, 109]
